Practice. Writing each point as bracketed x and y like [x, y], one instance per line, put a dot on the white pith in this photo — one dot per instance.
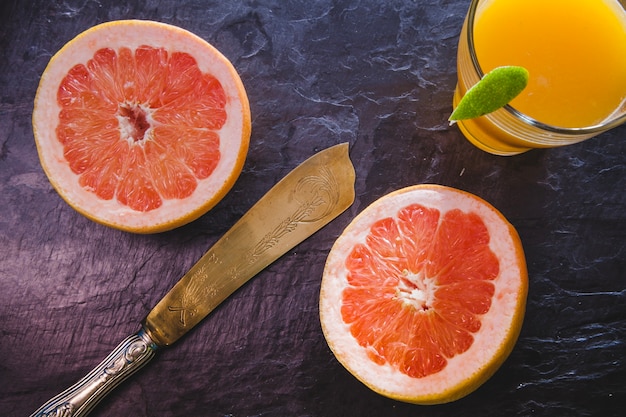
[416, 290]
[127, 127]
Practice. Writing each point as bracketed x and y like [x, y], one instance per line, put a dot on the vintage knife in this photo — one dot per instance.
[304, 201]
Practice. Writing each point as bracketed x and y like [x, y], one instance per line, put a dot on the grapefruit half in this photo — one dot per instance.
[423, 294]
[140, 125]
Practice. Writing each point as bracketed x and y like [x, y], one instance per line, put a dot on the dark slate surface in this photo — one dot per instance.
[377, 74]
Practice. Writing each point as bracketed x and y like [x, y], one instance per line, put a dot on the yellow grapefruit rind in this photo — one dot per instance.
[234, 135]
[493, 343]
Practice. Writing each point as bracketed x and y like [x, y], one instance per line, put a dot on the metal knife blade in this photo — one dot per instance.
[308, 198]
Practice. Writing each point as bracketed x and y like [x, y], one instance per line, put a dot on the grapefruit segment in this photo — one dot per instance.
[423, 294]
[141, 125]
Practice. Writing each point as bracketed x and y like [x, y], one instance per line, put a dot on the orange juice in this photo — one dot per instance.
[575, 52]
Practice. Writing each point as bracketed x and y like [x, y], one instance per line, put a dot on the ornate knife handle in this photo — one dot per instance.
[79, 399]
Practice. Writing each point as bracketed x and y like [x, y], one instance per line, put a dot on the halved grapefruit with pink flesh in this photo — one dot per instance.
[424, 293]
[141, 125]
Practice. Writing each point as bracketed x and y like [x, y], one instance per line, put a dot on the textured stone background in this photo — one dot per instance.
[377, 74]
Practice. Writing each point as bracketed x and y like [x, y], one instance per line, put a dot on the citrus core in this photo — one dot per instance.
[423, 294]
[141, 125]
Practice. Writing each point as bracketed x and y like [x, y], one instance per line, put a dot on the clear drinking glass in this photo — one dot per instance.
[509, 131]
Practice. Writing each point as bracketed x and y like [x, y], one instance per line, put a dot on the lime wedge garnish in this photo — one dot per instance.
[495, 90]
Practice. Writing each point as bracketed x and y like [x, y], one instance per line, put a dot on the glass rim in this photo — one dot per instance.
[601, 127]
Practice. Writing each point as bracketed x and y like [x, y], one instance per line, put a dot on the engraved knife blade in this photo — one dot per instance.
[308, 198]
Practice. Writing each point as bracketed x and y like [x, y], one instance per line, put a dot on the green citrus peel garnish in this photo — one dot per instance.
[495, 90]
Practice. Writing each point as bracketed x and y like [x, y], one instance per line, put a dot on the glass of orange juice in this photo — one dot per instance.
[575, 52]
